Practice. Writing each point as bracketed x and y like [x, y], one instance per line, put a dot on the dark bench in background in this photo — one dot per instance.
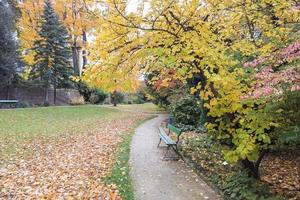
[8, 102]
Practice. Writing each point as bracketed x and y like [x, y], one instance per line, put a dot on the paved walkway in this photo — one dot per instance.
[155, 179]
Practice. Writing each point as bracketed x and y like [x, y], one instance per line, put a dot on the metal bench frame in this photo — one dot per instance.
[163, 136]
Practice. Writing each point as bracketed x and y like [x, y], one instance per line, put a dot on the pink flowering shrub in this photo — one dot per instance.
[288, 54]
[278, 75]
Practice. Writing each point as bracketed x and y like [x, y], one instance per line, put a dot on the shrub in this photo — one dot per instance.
[84, 90]
[240, 186]
[91, 95]
[288, 115]
[186, 113]
[205, 152]
[23, 104]
[137, 98]
[119, 97]
[47, 103]
[76, 101]
[97, 96]
[234, 181]
[93, 98]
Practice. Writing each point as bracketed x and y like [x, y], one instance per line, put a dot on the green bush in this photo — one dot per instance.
[93, 98]
[84, 90]
[138, 98]
[187, 113]
[286, 111]
[119, 97]
[97, 96]
[47, 103]
[23, 104]
[91, 95]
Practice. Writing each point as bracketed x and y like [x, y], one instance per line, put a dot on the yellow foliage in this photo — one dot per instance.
[188, 39]
[208, 40]
[74, 15]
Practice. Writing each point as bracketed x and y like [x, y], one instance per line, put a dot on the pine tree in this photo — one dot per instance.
[8, 53]
[53, 52]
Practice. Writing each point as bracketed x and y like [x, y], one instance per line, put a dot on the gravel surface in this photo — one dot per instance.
[155, 179]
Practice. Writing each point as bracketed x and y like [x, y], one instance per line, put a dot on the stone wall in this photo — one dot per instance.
[35, 96]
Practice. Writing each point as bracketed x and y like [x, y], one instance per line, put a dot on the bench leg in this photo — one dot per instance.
[159, 142]
[166, 158]
[177, 151]
[166, 152]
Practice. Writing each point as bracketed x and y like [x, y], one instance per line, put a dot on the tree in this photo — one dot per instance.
[211, 41]
[107, 70]
[52, 64]
[8, 51]
[277, 81]
[77, 17]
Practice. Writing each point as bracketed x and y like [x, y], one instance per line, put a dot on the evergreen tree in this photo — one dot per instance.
[53, 53]
[8, 52]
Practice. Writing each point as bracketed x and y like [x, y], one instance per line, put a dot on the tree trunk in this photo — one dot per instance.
[203, 115]
[54, 94]
[9, 83]
[84, 38]
[254, 166]
[113, 98]
[75, 52]
[46, 98]
[75, 56]
[7, 92]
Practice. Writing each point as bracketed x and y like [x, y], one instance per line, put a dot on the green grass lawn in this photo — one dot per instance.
[21, 125]
[146, 107]
[26, 123]
[24, 133]
[18, 126]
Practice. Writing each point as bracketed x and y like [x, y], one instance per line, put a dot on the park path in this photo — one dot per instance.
[155, 179]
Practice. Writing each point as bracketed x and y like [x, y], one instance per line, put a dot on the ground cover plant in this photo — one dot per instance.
[279, 171]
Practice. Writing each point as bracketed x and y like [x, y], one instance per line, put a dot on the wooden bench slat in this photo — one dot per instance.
[167, 140]
[165, 137]
[175, 130]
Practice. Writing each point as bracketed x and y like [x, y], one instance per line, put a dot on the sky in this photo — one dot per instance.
[132, 6]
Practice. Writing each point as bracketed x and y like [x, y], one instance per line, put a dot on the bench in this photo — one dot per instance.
[8, 102]
[163, 136]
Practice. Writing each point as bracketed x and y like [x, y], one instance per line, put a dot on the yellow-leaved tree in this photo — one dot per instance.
[206, 42]
[77, 16]
[203, 44]
[113, 63]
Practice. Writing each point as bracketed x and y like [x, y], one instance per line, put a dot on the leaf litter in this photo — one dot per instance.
[69, 166]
